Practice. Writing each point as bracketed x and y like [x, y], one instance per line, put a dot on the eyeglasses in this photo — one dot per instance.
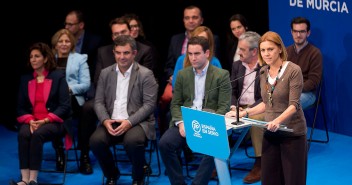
[134, 26]
[299, 31]
[70, 24]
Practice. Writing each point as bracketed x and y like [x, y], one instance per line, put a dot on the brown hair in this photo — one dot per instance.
[131, 16]
[276, 39]
[210, 39]
[47, 53]
[120, 20]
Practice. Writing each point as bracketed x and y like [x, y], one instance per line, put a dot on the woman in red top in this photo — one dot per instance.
[43, 105]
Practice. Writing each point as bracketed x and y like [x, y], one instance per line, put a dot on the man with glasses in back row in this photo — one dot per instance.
[87, 42]
[308, 57]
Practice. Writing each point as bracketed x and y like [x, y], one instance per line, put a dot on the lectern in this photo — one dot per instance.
[207, 133]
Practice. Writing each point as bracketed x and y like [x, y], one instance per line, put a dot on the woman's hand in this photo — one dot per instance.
[273, 126]
[34, 125]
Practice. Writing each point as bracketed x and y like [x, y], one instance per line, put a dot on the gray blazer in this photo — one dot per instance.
[142, 97]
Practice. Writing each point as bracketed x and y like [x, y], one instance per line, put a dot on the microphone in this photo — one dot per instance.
[238, 122]
[206, 93]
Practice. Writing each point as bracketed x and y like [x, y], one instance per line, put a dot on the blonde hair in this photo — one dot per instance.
[210, 39]
[276, 39]
[55, 39]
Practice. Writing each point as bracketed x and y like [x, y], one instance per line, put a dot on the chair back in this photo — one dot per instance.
[318, 102]
[317, 96]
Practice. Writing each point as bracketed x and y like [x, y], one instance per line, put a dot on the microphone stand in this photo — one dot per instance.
[207, 92]
[238, 122]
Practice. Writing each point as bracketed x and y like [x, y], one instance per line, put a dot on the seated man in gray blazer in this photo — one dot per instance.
[124, 103]
[201, 85]
[106, 58]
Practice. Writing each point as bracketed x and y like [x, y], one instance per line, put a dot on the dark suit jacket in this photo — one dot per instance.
[141, 100]
[106, 58]
[175, 49]
[231, 51]
[237, 71]
[56, 97]
[217, 91]
[90, 45]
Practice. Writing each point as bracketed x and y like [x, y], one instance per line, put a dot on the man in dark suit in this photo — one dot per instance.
[192, 18]
[192, 88]
[87, 42]
[119, 26]
[124, 103]
[248, 52]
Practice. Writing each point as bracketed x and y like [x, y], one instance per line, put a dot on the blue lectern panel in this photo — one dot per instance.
[206, 132]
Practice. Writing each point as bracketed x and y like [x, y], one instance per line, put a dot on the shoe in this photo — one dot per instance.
[147, 170]
[113, 180]
[60, 158]
[33, 183]
[255, 174]
[85, 167]
[12, 182]
[135, 182]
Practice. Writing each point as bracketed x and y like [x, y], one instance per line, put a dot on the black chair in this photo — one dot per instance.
[151, 147]
[190, 160]
[318, 103]
[74, 149]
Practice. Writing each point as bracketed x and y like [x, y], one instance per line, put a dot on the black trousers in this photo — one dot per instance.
[134, 144]
[284, 160]
[30, 145]
[86, 125]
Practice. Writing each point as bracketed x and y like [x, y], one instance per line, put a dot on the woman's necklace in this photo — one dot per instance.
[40, 79]
[270, 88]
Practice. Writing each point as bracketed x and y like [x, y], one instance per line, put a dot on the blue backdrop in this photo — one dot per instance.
[331, 31]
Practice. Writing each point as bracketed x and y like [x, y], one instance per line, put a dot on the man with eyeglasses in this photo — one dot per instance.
[120, 26]
[87, 42]
[308, 57]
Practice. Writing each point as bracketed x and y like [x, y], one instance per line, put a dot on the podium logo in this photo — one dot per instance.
[203, 129]
[196, 128]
